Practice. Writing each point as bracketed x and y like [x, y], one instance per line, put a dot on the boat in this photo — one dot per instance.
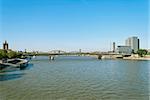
[17, 63]
[33, 56]
[20, 63]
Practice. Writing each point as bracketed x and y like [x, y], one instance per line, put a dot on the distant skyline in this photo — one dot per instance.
[70, 25]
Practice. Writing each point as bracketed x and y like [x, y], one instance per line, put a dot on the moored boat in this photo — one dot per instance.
[17, 63]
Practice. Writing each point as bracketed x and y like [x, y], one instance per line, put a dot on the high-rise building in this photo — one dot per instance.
[134, 43]
[5, 45]
[114, 47]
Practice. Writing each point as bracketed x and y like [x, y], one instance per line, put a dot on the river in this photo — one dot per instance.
[77, 78]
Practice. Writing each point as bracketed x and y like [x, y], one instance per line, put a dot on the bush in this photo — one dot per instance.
[142, 52]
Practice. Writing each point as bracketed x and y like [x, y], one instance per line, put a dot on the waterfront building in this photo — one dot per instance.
[5, 45]
[124, 49]
[134, 43]
[114, 46]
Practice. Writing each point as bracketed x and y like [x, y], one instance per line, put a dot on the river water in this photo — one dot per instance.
[77, 78]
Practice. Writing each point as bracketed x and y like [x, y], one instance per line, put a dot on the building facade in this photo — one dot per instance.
[134, 43]
[124, 49]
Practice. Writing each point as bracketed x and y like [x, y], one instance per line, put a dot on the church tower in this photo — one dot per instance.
[5, 45]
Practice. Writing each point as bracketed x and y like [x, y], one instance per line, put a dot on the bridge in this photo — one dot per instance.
[98, 55]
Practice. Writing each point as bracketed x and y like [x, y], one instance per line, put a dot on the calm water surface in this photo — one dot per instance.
[77, 78]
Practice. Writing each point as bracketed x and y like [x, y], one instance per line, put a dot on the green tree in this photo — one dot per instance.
[3, 54]
[142, 52]
[11, 54]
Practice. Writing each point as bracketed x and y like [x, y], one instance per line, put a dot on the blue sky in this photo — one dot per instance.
[90, 25]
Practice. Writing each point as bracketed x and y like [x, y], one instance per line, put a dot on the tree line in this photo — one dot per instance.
[10, 54]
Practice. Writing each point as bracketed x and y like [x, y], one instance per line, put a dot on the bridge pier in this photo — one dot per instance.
[51, 57]
[99, 57]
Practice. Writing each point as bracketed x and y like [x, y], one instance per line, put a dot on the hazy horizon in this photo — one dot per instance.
[70, 25]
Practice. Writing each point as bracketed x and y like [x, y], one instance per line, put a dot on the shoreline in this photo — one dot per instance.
[130, 58]
[136, 57]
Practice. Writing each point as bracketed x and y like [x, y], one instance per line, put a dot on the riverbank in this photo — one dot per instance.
[131, 57]
[136, 57]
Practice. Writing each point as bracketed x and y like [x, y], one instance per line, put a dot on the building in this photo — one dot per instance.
[114, 46]
[124, 49]
[79, 50]
[5, 46]
[134, 43]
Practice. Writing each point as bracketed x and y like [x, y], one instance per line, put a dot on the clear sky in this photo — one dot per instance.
[90, 25]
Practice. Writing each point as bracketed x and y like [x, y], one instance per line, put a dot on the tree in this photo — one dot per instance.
[142, 52]
[3, 54]
[9, 54]
[12, 54]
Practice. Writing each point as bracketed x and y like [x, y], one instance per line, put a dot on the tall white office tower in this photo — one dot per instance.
[134, 43]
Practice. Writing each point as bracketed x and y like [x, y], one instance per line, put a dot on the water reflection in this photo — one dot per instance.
[6, 77]
[28, 67]
[13, 73]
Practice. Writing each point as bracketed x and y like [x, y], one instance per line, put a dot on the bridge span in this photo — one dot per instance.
[96, 55]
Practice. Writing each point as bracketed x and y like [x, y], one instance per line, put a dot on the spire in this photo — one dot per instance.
[5, 42]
